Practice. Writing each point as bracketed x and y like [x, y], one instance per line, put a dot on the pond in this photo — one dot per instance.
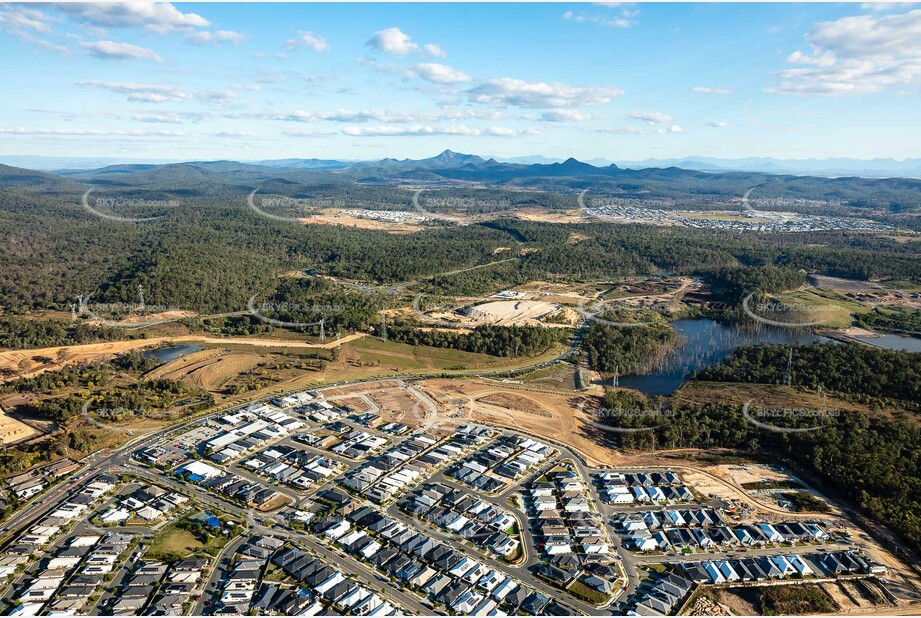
[704, 343]
[893, 342]
[171, 353]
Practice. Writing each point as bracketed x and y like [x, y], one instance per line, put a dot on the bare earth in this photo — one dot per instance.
[95, 351]
[13, 430]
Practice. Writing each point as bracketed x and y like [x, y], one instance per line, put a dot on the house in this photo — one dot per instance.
[535, 603]
[596, 583]
[467, 602]
[716, 576]
[802, 569]
[337, 530]
[784, 565]
[771, 533]
[504, 589]
[462, 567]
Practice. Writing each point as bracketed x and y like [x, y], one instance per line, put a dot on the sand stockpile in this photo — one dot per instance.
[508, 312]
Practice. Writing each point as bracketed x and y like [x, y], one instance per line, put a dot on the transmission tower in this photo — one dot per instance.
[322, 331]
[788, 376]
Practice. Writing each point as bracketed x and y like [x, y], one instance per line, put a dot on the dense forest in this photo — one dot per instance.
[860, 372]
[610, 347]
[23, 334]
[488, 339]
[212, 254]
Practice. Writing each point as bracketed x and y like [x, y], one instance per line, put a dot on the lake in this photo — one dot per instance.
[893, 342]
[704, 343]
[171, 353]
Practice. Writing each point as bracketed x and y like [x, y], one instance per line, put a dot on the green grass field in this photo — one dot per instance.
[174, 543]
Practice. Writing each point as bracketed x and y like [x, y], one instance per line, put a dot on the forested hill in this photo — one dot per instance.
[685, 187]
[860, 372]
[210, 254]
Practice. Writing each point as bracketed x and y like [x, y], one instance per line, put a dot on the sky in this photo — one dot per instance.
[616, 81]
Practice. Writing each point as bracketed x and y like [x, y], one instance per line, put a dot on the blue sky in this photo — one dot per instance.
[361, 81]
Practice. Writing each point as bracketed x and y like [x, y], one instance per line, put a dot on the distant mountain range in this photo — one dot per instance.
[681, 186]
[833, 167]
[841, 166]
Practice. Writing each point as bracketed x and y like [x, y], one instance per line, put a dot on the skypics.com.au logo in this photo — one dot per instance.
[321, 314]
[626, 419]
[289, 204]
[126, 315]
[786, 420]
[788, 315]
[459, 206]
[614, 208]
[103, 207]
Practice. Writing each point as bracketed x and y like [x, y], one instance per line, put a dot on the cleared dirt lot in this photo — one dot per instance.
[509, 312]
[555, 416]
[207, 369]
[334, 216]
[392, 399]
[14, 430]
[95, 351]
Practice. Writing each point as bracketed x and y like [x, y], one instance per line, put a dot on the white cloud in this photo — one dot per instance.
[206, 37]
[622, 17]
[411, 131]
[434, 50]
[822, 60]
[880, 7]
[708, 90]
[110, 50]
[717, 124]
[564, 115]
[16, 17]
[856, 55]
[651, 117]
[623, 131]
[309, 133]
[385, 67]
[672, 129]
[393, 41]
[158, 118]
[440, 73]
[506, 132]
[306, 38]
[236, 134]
[343, 115]
[396, 42]
[27, 24]
[156, 16]
[94, 132]
[138, 92]
[510, 91]
[479, 114]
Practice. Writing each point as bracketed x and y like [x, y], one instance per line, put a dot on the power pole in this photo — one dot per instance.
[384, 327]
[322, 331]
[141, 297]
